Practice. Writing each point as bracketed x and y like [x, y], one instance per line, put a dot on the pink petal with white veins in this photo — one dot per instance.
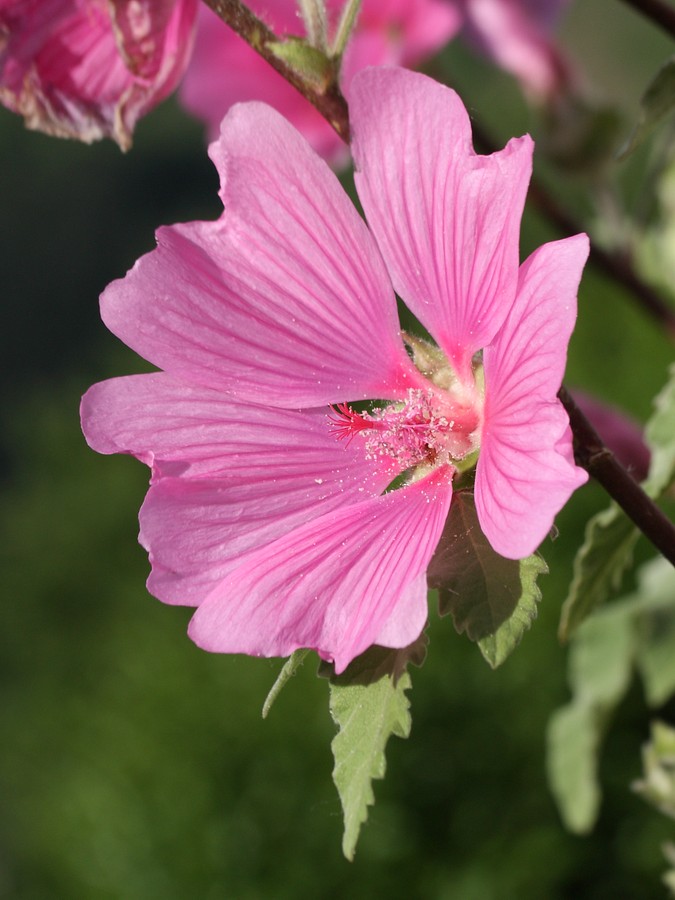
[194, 432]
[408, 617]
[197, 530]
[446, 220]
[332, 585]
[280, 300]
[525, 471]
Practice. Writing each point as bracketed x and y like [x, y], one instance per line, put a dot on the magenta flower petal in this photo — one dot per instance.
[330, 585]
[83, 69]
[276, 302]
[408, 617]
[446, 220]
[525, 471]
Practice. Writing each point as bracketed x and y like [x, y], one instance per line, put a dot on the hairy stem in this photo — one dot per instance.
[659, 12]
[329, 102]
[592, 455]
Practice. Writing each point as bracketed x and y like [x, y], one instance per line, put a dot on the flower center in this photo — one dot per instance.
[429, 428]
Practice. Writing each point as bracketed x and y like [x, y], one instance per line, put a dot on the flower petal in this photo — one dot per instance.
[446, 220]
[195, 432]
[331, 585]
[525, 471]
[278, 301]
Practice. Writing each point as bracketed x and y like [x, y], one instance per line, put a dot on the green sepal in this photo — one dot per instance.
[311, 64]
[491, 599]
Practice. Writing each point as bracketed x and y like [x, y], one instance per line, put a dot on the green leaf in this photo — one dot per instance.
[657, 102]
[492, 599]
[573, 740]
[655, 630]
[599, 567]
[368, 706]
[660, 437]
[289, 669]
[658, 761]
[601, 658]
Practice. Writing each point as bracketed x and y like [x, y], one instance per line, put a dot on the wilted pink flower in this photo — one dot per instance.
[91, 68]
[269, 507]
[517, 35]
[225, 69]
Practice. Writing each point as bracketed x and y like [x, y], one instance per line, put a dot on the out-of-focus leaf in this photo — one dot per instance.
[658, 762]
[572, 760]
[368, 706]
[288, 670]
[657, 102]
[660, 437]
[490, 598]
[602, 560]
[601, 658]
[655, 630]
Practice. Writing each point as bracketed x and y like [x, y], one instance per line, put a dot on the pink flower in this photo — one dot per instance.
[268, 507]
[517, 35]
[91, 68]
[225, 70]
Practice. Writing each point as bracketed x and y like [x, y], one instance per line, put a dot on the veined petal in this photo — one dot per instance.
[331, 585]
[195, 432]
[198, 530]
[446, 220]
[279, 300]
[525, 471]
[408, 617]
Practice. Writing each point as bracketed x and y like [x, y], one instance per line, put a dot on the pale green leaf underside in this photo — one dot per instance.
[658, 761]
[367, 714]
[657, 102]
[491, 599]
[573, 739]
[660, 437]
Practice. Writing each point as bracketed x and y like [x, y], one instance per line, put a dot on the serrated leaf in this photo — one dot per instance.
[657, 102]
[289, 669]
[490, 598]
[572, 761]
[660, 438]
[599, 566]
[367, 708]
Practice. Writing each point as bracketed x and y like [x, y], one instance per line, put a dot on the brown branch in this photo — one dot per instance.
[329, 101]
[659, 12]
[591, 454]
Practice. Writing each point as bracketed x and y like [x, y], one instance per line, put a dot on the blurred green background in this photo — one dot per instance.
[134, 766]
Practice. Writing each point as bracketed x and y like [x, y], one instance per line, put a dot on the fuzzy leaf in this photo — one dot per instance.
[660, 437]
[657, 102]
[599, 567]
[368, 706]
[492, 599]
[289, 669]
